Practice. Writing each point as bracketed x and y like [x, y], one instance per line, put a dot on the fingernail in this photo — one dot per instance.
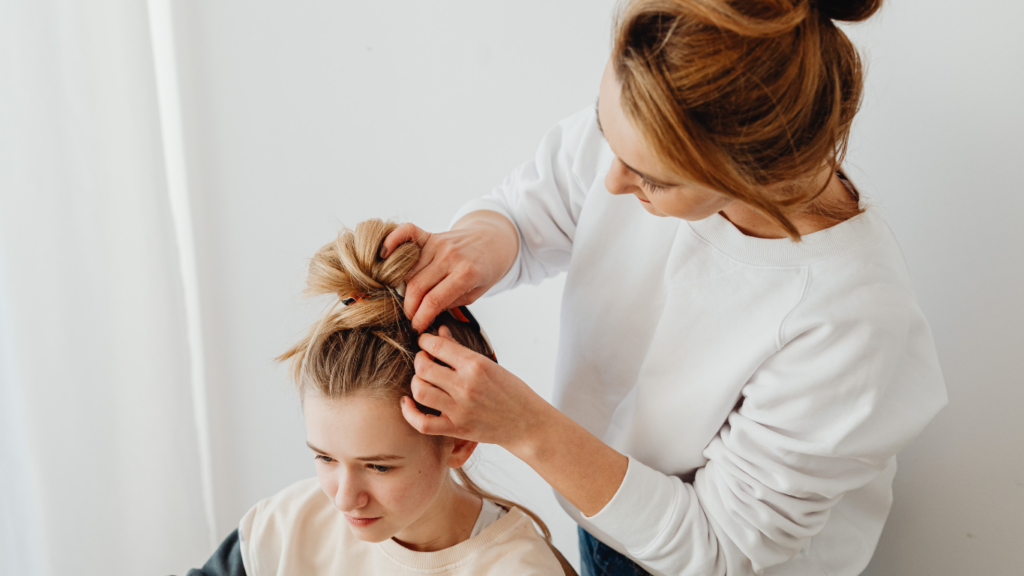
[383, 251]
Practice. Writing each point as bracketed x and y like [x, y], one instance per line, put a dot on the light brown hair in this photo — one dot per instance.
[750, 98]
[369, 347]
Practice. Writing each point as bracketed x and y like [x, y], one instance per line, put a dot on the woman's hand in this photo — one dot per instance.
[483, 402]
[456, 267]
[478, 400]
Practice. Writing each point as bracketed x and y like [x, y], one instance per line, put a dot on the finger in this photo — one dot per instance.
[431, 396]
[469, 297]
[425, 423]
[427, 260]
[417, 286]
[439, 299]
[448, 351]
[407, 232]
[432, 372]
[445, 333]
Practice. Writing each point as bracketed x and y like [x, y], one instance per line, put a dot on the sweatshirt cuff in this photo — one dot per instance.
[512, 276]
[641, 508]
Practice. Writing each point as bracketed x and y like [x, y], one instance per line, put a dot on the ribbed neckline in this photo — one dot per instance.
[858, 231]
[455, 554]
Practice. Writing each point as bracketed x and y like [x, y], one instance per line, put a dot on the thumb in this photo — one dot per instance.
[444, 332]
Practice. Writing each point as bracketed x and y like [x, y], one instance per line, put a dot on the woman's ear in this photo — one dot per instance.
[461, 450]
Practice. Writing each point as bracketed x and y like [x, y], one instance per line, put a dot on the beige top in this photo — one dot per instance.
[299, 531]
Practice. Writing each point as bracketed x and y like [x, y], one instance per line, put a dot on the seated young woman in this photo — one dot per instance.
[385, 500]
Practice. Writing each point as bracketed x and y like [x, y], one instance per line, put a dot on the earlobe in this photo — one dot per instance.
[461, 451]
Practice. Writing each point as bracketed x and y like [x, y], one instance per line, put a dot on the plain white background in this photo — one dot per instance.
[305, 115]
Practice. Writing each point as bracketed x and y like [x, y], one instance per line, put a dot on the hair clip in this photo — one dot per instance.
[352, 300]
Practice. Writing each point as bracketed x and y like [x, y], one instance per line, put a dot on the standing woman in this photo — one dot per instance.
[741, 352]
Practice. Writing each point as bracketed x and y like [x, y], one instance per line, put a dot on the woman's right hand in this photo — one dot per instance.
[455, 267]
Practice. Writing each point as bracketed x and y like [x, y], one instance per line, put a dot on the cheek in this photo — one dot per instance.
[689, 204]
[328, 482]
[408, 495]
[653, 209]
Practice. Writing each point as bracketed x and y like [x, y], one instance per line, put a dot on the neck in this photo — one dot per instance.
[753, 223]
[448, 521]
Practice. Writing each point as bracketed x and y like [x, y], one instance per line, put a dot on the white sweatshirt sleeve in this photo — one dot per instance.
[544, 197]
[850, 386]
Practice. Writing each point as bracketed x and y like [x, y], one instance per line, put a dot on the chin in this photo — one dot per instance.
[653, 211]
[372, 535]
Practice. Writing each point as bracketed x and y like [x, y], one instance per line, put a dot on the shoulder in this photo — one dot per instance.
[512, 545]
[294, 523]
[866, 288]
[577, 144]
[302, 499]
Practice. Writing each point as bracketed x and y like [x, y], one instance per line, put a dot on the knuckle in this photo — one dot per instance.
[432, 301]
[413, 288]
[427, 346]
[474, 368]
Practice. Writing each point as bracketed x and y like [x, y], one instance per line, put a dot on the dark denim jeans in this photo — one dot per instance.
[597, 559]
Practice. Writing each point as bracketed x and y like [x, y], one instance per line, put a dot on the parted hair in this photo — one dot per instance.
[747, 97]
[369, 346]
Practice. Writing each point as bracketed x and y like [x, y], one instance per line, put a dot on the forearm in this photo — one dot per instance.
[583, 469]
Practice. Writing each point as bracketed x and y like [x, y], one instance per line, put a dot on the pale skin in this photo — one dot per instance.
[483, 402]
[387, 479]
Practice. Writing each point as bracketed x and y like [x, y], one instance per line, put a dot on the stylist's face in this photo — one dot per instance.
[637, 171]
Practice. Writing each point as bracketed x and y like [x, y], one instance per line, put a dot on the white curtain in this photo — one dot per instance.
[101, 459]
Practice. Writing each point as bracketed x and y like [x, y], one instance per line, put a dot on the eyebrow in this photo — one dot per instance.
[376, 458]
[654, 181]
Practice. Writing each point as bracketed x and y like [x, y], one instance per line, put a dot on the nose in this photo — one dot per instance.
[350, 494]
[620, 180]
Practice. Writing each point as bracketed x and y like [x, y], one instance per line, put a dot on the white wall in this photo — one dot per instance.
[938, 145]
[308, 114]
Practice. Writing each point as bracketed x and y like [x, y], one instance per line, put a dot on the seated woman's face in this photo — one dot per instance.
[384, 476]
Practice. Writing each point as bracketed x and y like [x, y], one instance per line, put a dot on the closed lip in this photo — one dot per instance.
[360, 522]
[642, 200]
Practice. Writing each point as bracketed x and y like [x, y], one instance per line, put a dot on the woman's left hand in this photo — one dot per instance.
[478, 400]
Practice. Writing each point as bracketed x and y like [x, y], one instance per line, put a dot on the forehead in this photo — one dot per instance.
[621, 135]
[358, 426]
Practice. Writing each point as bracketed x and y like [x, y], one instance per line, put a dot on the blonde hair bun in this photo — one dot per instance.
[351, 267]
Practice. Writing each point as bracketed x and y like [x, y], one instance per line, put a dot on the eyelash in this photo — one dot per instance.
[652, 187]
[378, 468]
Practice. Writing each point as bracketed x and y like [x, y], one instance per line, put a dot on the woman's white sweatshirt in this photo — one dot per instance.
[761, 388]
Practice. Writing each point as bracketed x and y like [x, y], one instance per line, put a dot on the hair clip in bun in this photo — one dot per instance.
[352, 299]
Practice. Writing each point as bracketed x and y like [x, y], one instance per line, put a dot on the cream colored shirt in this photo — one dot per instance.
[299, 531]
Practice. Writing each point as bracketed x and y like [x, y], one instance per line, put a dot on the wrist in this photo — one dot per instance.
[499, 229]
[538, 428]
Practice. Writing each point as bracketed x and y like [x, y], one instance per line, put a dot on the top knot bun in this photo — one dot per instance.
[847, 10]
[366, 344]
[351, 266]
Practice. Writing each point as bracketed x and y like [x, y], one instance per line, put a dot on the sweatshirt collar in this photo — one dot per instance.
[854, 233]
[454, 554]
